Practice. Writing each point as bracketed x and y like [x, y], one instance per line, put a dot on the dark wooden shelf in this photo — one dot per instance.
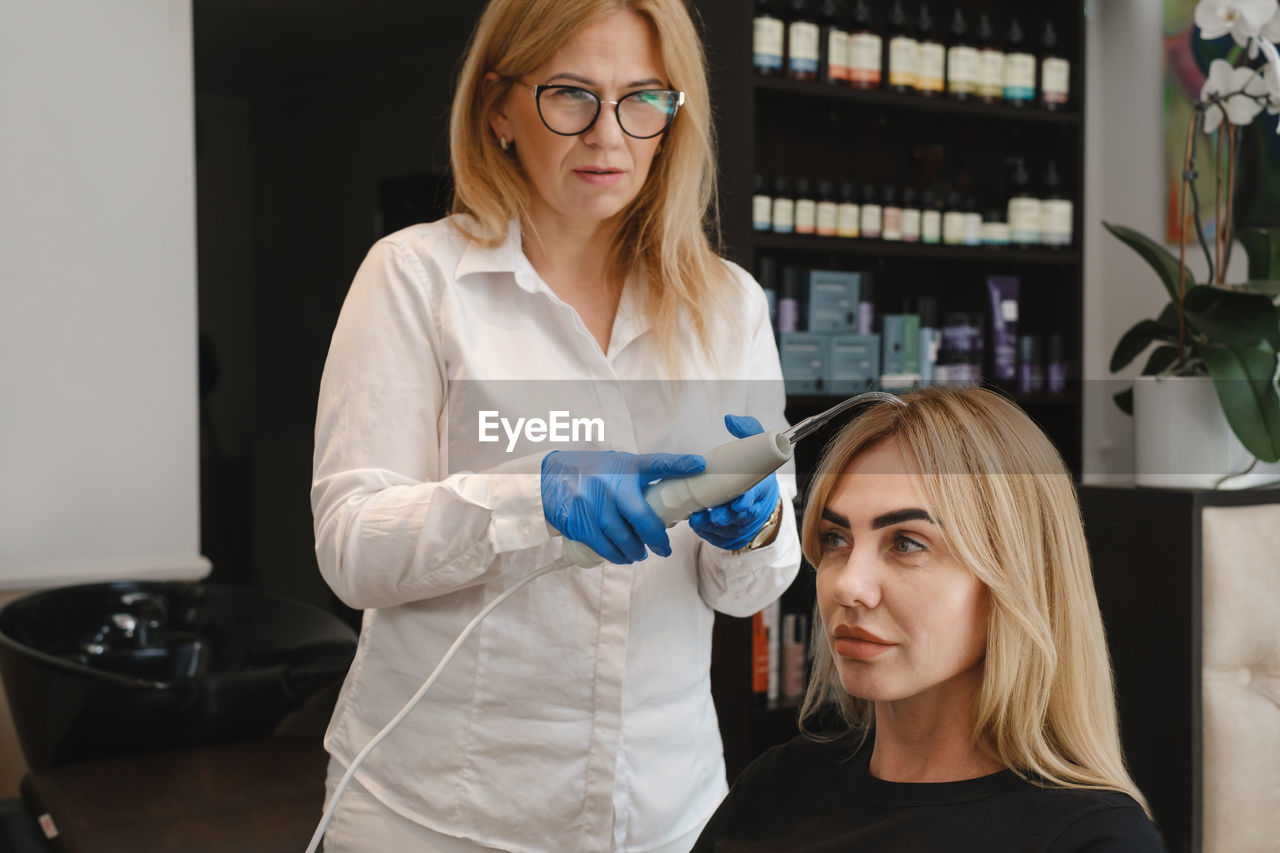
[913, 103]
[918, 251]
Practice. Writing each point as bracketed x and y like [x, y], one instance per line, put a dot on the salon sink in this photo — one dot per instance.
[102, 670]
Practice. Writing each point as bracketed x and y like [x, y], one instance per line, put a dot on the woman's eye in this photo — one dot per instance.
[573, 95]
[831, 541]
[906, 545]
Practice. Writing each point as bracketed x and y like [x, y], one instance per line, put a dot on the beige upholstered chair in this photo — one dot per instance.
[1240, 679]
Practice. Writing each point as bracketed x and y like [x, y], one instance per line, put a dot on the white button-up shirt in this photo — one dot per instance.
[578, 716]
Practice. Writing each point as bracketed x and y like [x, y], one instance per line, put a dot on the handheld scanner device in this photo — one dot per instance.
[732, 469]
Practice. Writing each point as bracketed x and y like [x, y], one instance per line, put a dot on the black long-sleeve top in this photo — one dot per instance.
[820, 797]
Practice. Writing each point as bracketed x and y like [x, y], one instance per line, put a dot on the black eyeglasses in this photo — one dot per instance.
[571, 110]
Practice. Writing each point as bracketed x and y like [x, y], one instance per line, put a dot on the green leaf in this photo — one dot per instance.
[1157, 256]
[1238, 320]
[1262, 246]
[1134, 341]
[1161, 358]
[1245, 383]
[1267, 287]
[1124, 399]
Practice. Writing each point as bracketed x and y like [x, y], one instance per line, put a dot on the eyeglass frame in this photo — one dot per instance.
[538, 88]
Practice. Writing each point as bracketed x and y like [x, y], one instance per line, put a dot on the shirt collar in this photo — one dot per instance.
[507, 256]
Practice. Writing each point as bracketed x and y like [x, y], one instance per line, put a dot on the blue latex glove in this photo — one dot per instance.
[597, 498]
[734, 524]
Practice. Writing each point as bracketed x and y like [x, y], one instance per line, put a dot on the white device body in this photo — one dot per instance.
[732, 468]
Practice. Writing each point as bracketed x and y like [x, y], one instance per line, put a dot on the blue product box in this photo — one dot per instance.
[833, 300]
[804, 361]
[853, 364]
[900, 351]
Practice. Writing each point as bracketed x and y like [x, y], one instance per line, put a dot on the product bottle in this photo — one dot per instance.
[1019, 68]
[784, 207]
[953, 220]
[761, 206]
[930, 217]
[962, 61]
[767, 39]
[1024, 207]
[1055, 72]
[891, 216]
[767, 275]
[794, 637]
[990, 63]
[972, 222]
[806, 208]
[872, 213]
[848, 213]
[1056, 366]
[962, 350]
[789, 301]
[826, 226]
[1055, 211]
[866, 49]
[930, 338]
[910, 217]
[1030, 366]
[802, 42]
[903, 50]
[931, 56]
[833, 65]
[995, 230]
[867, 305]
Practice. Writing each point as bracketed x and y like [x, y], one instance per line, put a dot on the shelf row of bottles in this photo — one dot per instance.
[1026, 215]
[908, 50]
[831, 341]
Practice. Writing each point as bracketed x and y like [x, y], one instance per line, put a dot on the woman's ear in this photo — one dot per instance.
[498, 121]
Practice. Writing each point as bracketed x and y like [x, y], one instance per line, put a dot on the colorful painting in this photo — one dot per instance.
[1186, 61]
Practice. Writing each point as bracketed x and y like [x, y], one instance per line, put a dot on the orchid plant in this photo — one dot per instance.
[1229, 332]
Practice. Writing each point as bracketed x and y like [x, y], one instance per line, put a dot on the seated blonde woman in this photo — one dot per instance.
[958, 634]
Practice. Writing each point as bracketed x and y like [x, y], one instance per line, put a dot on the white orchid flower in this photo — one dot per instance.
[1271, 76]
[1243, 19]
[1234, 86]
[1271, 29]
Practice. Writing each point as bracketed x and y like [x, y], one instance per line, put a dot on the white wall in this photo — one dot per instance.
[98, 399]
[1123, 183]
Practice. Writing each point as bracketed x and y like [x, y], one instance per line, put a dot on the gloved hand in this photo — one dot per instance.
[734, 524]
[597, 498]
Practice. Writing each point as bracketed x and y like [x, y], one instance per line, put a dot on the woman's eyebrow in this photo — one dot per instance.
[900, 515]
[835, 518]
[577, 78]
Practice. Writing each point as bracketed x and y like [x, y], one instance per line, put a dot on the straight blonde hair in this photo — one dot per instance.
[1009, 511]
[667, 230]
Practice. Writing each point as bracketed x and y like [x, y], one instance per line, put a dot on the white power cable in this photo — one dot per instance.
[563, 562]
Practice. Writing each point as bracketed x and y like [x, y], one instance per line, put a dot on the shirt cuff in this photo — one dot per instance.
[515, 500]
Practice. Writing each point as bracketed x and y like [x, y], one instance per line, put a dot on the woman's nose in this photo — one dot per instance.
[858, 581]
[606, 132]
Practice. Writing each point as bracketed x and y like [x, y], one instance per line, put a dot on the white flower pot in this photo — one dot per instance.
[1181, 438]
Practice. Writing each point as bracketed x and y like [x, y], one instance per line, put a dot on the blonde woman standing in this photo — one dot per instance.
[575, 285]
[957, 632]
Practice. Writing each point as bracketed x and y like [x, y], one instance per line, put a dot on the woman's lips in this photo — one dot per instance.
[858, 643]
[599, 177]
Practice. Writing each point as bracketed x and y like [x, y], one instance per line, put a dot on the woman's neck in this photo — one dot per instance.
[929, 738]
[572, 256]
[578, 263]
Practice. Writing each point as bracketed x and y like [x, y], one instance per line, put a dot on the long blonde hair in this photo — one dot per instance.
[665, 230]
[1046, 707]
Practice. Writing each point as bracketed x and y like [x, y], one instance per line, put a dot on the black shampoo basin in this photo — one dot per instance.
[110, 669]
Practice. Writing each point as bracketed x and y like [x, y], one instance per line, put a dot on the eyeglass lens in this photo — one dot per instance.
[569, 110]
